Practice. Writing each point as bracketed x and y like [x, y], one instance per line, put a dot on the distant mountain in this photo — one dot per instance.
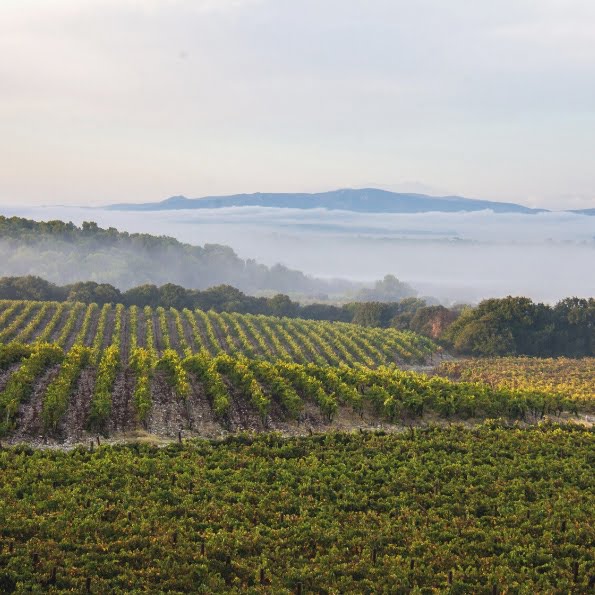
[366, 200]
[584, 212]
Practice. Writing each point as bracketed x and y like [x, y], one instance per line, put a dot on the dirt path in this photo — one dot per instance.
[218, 333]
[200, 419]
[204, 343]
[242, 415]
[75, 330]
[23, 324]
[174, 336]
[272, 352]
[42, 324]
[125, 337]
[60, 325]
[109, 327]
[188, 334]
[153, 323]
[141, 340]
[122, 417]
[255, 344]
[166, 417]
[92, 330]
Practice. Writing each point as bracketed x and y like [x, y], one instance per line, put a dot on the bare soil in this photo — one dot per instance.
[122, 417]
[75, 330]
[42, 324]
[159, 343]
[73, 428]
[166, 417]
[242, 416]
[173, 332]
[92, 330]
[109, 328]
[218, 334]
[23, 323]
[6, 374]
[188, 334]
[125, 337]
[141, 340]
[202, 332]
[58, 328]
[199, 416]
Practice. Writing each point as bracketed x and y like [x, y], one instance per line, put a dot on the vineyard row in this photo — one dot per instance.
[186, 332]
[392, 394]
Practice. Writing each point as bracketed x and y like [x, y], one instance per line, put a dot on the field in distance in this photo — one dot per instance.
[254, 336]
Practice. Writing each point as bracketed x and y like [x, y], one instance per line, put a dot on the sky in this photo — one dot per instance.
[104, 101]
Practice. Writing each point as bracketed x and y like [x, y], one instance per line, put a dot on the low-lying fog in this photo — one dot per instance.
[453, 256]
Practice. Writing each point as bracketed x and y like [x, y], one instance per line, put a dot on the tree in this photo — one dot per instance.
[173, 296]
[143, 295]
[281, 305]
[390, 289]
[89, 292]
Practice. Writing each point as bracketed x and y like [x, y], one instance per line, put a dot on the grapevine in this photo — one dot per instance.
[55, 400]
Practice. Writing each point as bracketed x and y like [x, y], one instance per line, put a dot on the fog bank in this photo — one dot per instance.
[453, 256]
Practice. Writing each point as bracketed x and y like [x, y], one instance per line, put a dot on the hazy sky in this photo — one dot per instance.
[136, 100]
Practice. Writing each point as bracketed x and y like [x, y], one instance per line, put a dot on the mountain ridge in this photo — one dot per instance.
[364, 200]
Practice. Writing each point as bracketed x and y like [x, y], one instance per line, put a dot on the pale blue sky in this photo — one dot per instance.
[136, 100]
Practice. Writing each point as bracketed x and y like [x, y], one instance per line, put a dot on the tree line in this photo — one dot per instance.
[66, 253]
[221, 298]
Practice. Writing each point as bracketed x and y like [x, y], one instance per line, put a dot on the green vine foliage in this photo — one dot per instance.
[20, 384]
[437, 510]
[58, 392]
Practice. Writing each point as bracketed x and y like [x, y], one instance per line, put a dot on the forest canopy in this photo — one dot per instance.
[65, 253]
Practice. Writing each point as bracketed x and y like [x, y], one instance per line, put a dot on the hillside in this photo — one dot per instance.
[110, 369]
[365, 200]
[186, 331]
[71, 371]
[64, 253]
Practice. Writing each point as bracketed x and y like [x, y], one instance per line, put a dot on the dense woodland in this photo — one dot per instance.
[65, 253]
[518, 326]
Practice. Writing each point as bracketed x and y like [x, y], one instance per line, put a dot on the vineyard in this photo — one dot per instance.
[47, 392]
[186, 332]
[572, 379]
[492, 509]
[71, 372]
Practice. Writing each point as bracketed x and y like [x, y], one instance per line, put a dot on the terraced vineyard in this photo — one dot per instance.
[186, 332]
[47, 393]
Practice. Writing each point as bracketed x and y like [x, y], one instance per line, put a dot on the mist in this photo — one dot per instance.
[451, 256]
